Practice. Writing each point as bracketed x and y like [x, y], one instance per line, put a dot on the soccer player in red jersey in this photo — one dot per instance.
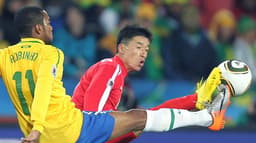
[101, 87]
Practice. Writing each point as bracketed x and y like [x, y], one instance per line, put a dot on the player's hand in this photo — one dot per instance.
[33, 137]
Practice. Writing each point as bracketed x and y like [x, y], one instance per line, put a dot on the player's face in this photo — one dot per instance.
[135, 53]
[47, 31]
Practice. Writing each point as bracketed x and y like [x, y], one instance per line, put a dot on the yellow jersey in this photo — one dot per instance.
[32, 73]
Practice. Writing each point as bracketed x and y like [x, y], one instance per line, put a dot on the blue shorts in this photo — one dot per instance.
[97, 127]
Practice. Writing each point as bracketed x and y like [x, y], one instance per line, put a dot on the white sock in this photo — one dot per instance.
[167, 119]
[184, 118]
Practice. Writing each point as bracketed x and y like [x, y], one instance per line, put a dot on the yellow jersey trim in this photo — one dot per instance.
[31, 40]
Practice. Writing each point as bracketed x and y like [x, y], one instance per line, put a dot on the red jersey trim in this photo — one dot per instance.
[106, 93]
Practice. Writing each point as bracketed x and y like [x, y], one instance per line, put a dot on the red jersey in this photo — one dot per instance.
[100, 88]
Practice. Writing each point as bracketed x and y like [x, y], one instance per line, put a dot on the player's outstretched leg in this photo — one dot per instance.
[205, 90]
[161, 120]
[157, 121]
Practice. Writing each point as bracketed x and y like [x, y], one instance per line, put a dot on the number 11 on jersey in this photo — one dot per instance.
[17, 76]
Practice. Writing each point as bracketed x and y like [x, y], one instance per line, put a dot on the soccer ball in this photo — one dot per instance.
[237, 75]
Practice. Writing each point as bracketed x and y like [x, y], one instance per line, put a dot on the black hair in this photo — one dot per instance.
[130, 31]
[26, 18]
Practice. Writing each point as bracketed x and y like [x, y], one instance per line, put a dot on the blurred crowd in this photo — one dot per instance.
[190, 37]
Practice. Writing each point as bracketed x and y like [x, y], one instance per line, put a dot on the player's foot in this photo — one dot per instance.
[205, 90]
[218, 108]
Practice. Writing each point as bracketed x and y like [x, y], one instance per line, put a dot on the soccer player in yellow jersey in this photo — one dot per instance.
[32, 72]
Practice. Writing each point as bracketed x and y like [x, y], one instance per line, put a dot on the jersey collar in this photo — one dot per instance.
[31, 40]
[119, 61]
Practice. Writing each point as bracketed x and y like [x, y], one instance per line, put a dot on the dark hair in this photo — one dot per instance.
[26, 18]
[130, 31]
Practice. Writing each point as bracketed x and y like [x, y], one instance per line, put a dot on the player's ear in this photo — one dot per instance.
[38, 29]
[121, 48]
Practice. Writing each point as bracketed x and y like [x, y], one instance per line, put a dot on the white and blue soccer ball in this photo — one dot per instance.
[237, 75]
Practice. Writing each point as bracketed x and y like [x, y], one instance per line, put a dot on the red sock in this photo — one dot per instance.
[186, 102]
[127, 138]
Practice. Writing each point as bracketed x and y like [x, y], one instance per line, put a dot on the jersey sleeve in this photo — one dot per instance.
[99, 88]
[43, 89]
